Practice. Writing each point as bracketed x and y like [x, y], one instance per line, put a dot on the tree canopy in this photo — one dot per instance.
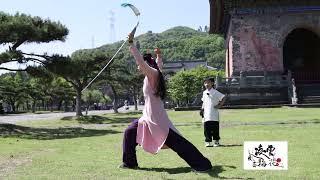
[180, 43]
[19, 29]
[184, 86]
[122, 77]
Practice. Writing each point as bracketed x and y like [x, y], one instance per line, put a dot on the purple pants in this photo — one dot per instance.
[177, 143]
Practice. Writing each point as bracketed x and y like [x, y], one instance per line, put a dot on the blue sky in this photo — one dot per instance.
[89, 20]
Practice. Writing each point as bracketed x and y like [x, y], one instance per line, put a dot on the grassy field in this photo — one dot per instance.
[90, 148]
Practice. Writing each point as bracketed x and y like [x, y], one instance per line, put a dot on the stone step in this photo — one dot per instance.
[309, 99]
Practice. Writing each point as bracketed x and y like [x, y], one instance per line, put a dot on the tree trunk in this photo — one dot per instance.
[78, 103]
[66, 108]
[34, 106]
[17, 107]
[43, 105]
[1, 108]
[51, 105]
[135, 94]
[60, 105]
[27, 105]
[13, 106]
[115, 100]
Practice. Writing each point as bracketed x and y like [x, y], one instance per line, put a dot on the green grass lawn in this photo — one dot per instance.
[91, 148]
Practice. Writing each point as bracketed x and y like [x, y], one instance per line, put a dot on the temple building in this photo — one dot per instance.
[172, 67]
[272, 49]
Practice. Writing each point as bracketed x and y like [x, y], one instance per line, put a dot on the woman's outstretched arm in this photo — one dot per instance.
[159, 58]
[143, 66]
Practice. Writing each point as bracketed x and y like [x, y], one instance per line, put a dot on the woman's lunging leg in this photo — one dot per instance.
[187, 151]
[129, 157]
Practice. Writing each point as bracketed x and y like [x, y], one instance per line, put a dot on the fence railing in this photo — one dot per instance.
[306, 77]
[253, 81]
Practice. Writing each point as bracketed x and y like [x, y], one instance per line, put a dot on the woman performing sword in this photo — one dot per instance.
[154, 131]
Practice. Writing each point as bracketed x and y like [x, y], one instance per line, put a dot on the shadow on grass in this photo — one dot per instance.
[198, 124]
[130, 113]
[216, 170]
[296, 122]
[232, 124]
[96, 119]
[67, 118]
[229, 145]
[12, 130]
[29, 112]
[177, 170]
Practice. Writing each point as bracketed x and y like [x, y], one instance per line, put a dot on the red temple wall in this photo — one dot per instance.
[255, 42]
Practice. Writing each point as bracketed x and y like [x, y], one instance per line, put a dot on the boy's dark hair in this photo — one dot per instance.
[209, 79]
[161, 87]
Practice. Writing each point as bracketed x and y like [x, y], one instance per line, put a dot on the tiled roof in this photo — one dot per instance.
[247, 7]
[178, 65]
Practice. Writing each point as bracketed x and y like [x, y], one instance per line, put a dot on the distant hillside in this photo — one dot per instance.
[180, 32]
[179, 43]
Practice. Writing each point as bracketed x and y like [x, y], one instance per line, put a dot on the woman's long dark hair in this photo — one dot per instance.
[161, 87]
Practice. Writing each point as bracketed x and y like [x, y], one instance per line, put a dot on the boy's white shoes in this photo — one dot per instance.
[216, 144]
[210, 144]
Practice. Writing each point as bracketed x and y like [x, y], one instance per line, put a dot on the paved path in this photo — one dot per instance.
[14, 118]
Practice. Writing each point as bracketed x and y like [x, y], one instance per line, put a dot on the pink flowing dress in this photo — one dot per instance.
[154, 125]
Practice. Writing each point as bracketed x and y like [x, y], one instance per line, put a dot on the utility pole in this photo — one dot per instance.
[112, 35]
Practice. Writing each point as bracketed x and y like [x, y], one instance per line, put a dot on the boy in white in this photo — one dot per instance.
[212, 100]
